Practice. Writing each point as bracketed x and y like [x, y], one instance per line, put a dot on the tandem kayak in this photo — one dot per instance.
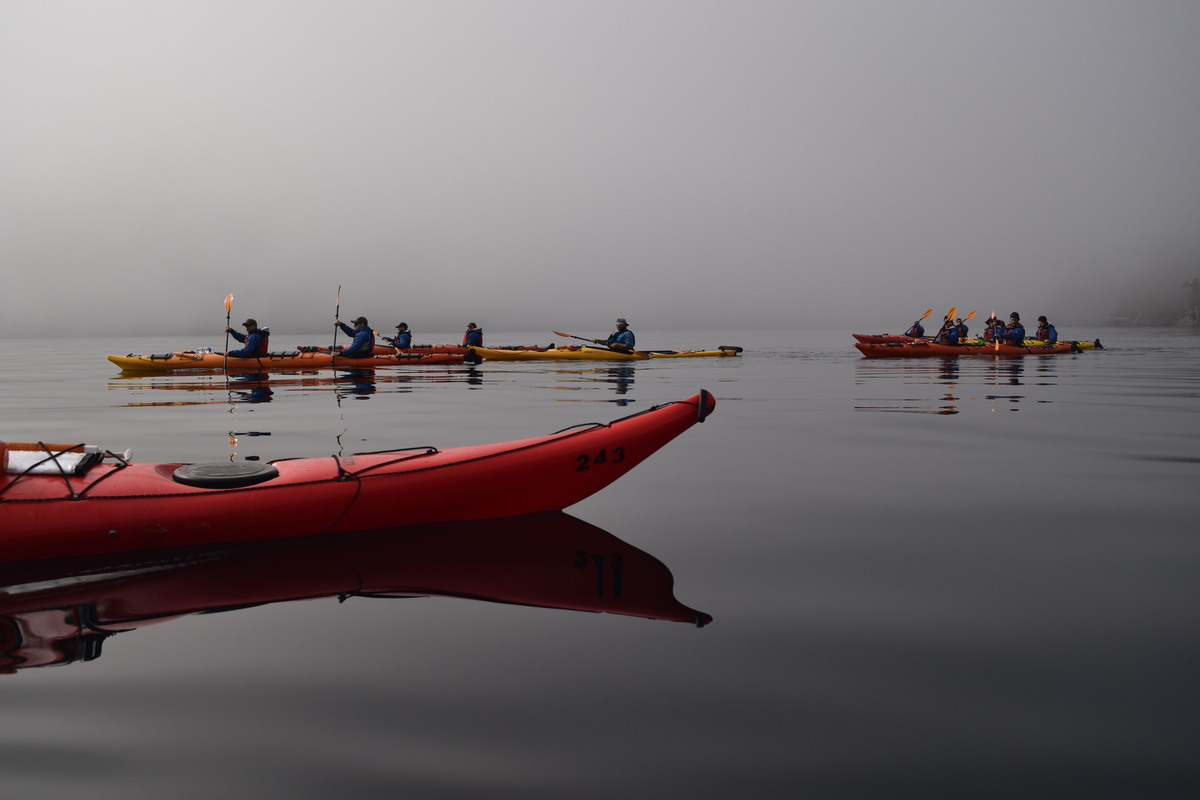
[62, 611]
[892, 338]
[454, 349]
[60, 500]
[925, 349]
[291, 359]
[585, 353]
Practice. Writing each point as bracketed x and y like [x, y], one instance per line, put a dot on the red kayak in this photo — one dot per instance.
[882, 338]
[925, 349]
[59, 500]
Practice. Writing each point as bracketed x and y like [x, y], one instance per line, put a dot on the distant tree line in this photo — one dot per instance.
[1180, 310]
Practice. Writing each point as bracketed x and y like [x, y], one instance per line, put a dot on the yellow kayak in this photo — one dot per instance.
[573, 353]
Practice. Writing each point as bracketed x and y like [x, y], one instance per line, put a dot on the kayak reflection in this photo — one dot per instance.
[61, 611]
[258, 387]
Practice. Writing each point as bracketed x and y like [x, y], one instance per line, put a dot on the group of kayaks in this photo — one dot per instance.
[897, 346]
[884, 345]
[311, 358]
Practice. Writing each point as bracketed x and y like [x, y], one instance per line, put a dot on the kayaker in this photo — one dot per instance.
[916, 331]
[254, 339]
[621, 340]
[1014, 332]
[1046, 331]
[364, 339]
[962, 329]
[948, 334]
[474, 336]
[403, 338]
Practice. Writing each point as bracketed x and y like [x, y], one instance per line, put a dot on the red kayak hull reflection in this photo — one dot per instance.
[61, 611]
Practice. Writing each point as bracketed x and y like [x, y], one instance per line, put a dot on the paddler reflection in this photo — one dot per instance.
[62, 611]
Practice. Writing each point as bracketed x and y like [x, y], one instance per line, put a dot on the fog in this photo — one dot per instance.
[530, 165]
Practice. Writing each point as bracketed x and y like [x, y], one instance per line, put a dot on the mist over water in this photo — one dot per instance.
[536, 165]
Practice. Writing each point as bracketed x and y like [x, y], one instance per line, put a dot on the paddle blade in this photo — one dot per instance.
[968, 316]
[560, 333]
[926, 314]
[229, 303]
[950, 313]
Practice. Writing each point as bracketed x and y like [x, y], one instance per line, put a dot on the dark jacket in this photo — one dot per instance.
[1013, 336]
[363, 344]
[256, 343]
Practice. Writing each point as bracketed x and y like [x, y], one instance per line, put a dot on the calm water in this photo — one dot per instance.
[977, 578]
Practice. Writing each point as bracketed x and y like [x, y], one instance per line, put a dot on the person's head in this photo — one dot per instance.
[1042, 322]
[1014, 317]
[250, 324]
[403, 326]
[471, 326]
[621, 323]
[958, 321]
[360, 321]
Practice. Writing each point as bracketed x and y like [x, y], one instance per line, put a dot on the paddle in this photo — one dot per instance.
[336, 313]
[592, 342]
[228, 309]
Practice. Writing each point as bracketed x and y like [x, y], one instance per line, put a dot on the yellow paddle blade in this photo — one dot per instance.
[950, 313]
[968, 316]
[229, 303]
[926, 314]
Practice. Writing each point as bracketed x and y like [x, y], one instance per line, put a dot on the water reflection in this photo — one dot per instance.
[946, 385]
[261, 387]
[250, 387]
[61, 611]
[937, 379]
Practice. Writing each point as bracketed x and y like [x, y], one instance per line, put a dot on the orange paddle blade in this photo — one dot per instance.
[968, 316]
[229, 303]
[926, 314]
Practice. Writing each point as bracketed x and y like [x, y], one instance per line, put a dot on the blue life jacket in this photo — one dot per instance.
[624, 337]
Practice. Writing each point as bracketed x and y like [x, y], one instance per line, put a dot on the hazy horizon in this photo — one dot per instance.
[539, 165]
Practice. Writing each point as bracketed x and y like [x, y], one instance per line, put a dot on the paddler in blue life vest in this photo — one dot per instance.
[473, 336]
[948, 334]
[1014, 332]
[916, 331]
[621, 340]
[1046, 331]
[962, 328]
[403, 338]
[363, 345]
[254, 339]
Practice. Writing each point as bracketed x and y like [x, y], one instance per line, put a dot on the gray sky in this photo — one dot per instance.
[530, 165]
